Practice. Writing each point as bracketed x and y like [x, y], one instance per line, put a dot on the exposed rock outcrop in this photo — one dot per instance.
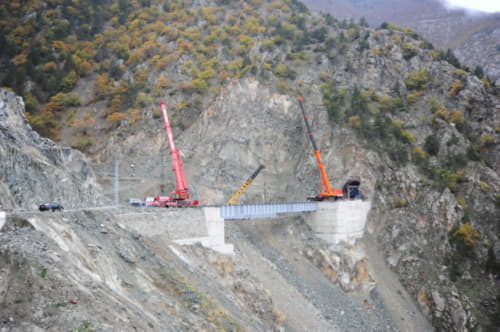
[34, 169]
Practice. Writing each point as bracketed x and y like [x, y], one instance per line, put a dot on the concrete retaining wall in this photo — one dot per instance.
[340, 221]
[2, 219]
[182, 226]
[172, 224]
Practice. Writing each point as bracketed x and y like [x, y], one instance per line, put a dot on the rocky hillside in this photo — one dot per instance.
[87, 271]
[384, 104]
[34, 169]
[473, 37]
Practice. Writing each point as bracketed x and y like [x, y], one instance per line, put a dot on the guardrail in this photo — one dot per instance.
[252, 211]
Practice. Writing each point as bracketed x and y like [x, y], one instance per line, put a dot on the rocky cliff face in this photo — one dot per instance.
[34, 169]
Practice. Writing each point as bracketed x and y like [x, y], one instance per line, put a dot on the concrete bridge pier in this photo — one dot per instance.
[214, 236]
[2, 219]
[340, 221]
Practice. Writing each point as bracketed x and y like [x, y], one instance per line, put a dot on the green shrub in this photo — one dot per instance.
[487, 140]
[419, 154]
[456, 161]
[485, 187]
[417, 80]
[459, 72]
[355, 121]
[283, 71]
[406, 136]
[433, 104]
[397, 153]
[473, 152]
[447, 178]
[267, 45]
[413, 97]
[455, 88]
[142, 100]
[409, 51]
[82, 142]
[461, 201]
[431, 145]
[466, 234]
[31, 103]
[198, 85]
[479, 72]
[457, 117]
[400, 203]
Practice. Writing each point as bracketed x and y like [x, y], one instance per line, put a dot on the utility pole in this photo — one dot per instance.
[117, 182]
[265, 190]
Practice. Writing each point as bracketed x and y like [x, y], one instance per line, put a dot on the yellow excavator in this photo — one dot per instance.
[234, 200]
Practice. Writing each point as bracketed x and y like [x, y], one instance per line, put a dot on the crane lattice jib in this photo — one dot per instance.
[244, 186]
[325, 183]
[181, 191]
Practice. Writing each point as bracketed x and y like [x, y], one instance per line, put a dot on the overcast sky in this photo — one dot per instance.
[489, 6]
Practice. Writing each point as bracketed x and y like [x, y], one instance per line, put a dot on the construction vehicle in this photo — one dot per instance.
[351, 188]
[241, 190]
[180, 197]
[326, 190]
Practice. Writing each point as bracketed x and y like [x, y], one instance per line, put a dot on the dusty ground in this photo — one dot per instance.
[282, 242]
[83, 270]
[402, 308]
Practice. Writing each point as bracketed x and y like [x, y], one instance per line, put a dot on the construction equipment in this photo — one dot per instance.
[351, 188]
[180, 196]
[241, 190]
[326, 191]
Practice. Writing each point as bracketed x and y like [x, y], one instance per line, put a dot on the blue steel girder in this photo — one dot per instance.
[270, 210]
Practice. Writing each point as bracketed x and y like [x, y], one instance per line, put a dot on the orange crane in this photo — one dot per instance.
[326, 190]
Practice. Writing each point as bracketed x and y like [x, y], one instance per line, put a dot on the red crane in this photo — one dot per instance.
[327, 191]
[180, 196]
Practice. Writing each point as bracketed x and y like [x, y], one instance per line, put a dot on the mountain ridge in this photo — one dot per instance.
[455, 29]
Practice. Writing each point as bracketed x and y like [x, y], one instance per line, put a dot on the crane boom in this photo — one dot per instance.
[327, 191]
[181, 191]
[244, 186]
